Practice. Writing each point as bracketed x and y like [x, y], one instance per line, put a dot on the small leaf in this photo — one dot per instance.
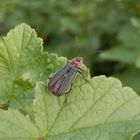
[137, 137]
[138, 62]
[129, 36]
[23, 63]
[15, 126]
[130, 77]
[122, 54]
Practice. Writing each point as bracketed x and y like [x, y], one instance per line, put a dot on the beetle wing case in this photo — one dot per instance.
[61, 82]
[59, 75]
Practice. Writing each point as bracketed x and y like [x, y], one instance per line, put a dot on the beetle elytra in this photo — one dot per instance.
[61, 82]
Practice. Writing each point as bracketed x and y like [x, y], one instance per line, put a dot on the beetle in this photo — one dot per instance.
[60, 84]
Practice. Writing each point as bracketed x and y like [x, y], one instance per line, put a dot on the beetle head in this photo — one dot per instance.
[78, 61]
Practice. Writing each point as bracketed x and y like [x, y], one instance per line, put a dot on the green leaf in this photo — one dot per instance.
[137, 137]
[128, 51]
[138, 62]
[22, 64]
[15, 126]
[122, 54]
[130, 77]
[101, 109]
[129, 35]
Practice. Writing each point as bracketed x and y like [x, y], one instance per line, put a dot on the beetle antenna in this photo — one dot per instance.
[77, 45]
[78, 48]
[99, 51]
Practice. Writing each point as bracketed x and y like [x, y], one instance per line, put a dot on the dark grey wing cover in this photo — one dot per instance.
[67, 82]
[59, 76]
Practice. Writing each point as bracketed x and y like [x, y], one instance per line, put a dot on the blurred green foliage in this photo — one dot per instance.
[84, 27]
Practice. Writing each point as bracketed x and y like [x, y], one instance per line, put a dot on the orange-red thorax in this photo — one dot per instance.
[76, 62]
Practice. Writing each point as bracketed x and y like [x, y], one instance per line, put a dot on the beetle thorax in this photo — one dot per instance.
[78, 61]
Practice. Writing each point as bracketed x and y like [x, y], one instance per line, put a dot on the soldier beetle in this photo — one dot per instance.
[61, 82]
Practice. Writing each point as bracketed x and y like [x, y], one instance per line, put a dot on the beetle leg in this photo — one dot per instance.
[67, 94]
[50, 77]
[81, 70]
[83, 75]
[65, 101]
[68, 90]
